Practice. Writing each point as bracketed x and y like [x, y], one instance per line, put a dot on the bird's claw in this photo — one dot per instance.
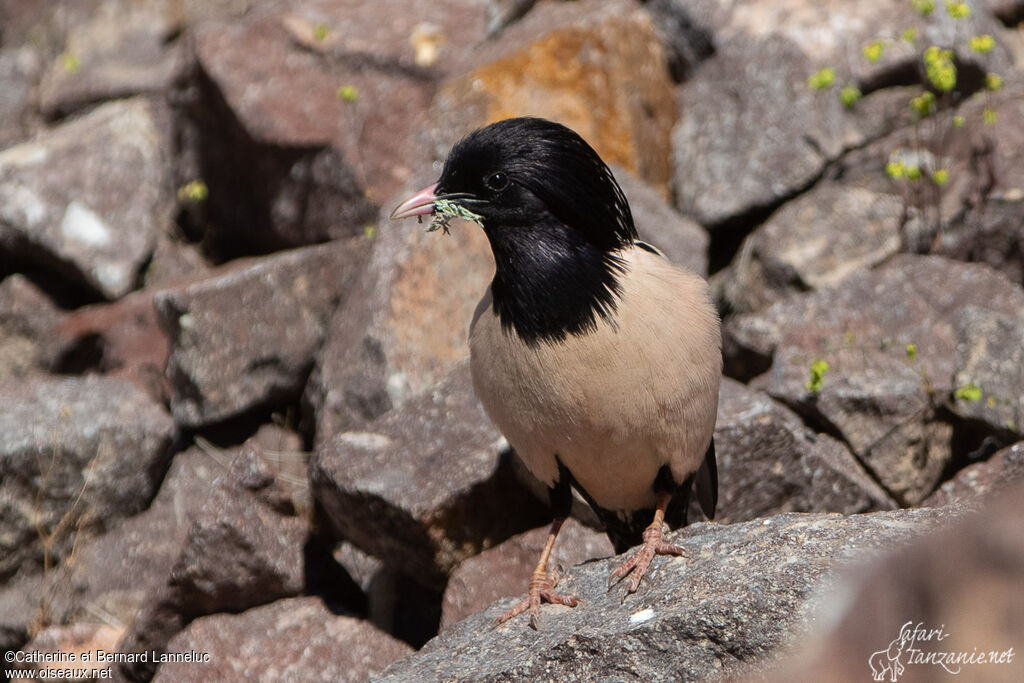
[541, 590]
[636, 566]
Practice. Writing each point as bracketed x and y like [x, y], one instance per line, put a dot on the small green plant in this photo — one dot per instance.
[958, 10]
[70, 63]
[817, 381]
[445, 211]
[850, 95]
[923, 7]
[911, 351]
[194, 191]
[348, 93]
[369, 231]
[989, 116]
[940, 69]
[873, 51]
[968, 392]
[822, 79]
[982, 44]
[320, 32]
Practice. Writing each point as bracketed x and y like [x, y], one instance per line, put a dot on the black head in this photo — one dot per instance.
[555, 217]
[520, 171]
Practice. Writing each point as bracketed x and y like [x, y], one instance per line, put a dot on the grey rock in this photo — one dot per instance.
[122, 49]
[982, 481]
[27, 321]
[752, 133]
[739, 593]
[75, 455]
[505, 569]
[877, 398]
[964, 580]
[246, 339]
[19, 71]
[424, 487]
[89, 197]
[769, 462]
[683, 242]
[295, 639]
[76, 640]
[990, 354]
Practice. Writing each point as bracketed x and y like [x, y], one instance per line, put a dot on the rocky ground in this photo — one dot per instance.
[236, 423]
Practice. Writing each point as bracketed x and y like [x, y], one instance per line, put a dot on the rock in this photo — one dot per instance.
[27, 322]
[19, 71]
[70, 641]
[687, 41]
[288, 640]
[174, 262]
[815, 241]
[20, 612]
[923, 601]
[286, 162]
[75, 455]
[682, 241]
[404, 326]
[88, 198]
[122, 49]
[242, 548]
[740, 592]
[402, 606]
[505, 569]
[769, 462]
[981, 481]
[597, 67]
[877, 396]
[749, 139]
[246, 338]
[990, 353]
[423, 488]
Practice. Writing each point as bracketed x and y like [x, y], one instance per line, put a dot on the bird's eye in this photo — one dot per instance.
[496, 181]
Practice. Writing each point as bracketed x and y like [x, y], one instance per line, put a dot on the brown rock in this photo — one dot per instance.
[954, 591]
[27, 322]
[76, 641]
[980, 482]
[597, 67]
[769, 462]
[504, 570]
[878, 398]
[424, 487]
[246, 338]
[990, 358]
[19, 71]
[289, 640]
[75, 455]
[88, 198]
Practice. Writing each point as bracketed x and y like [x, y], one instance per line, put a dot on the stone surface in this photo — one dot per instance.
[740, 592]
[245, 339]
[505, 569]
[972, 594]
[682, 241]
[27, 322]
[289, 640]
[877, 398]
[752, 132]
[88, 198]
[123, 49]
[19, 70]
[770, 462]
[75, 455]
[74, 640]
[597, 67]
[423, 487]
[405, 324]
[980, 482]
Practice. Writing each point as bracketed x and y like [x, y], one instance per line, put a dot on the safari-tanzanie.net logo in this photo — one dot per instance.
[917, 645]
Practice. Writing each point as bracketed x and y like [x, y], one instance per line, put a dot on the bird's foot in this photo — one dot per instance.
[637, 564]
[542, 589]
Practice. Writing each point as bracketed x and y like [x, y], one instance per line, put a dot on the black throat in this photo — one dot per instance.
[550, 282]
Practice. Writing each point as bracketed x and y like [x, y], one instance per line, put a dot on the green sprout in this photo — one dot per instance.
[445, 210]
[194, 191]
[909, 35]
[822, 79]
[923, 7]
[989, 115]
[850, 95]
[982, 44]
[958, 121]
[873, 51]
[968, 392]
[913, 172]
[369, 231]
[923, 104]
[958, 10]
[911, 351]
[320, 32]
[817, 381]
[70, 63]
[939, 66]
[348, 93]
[993, 81]
[895, 169]
[940, 176]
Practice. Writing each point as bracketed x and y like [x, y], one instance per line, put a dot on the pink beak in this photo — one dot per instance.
[420, 204]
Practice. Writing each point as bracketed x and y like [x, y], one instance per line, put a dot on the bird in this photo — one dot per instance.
[597, 359]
